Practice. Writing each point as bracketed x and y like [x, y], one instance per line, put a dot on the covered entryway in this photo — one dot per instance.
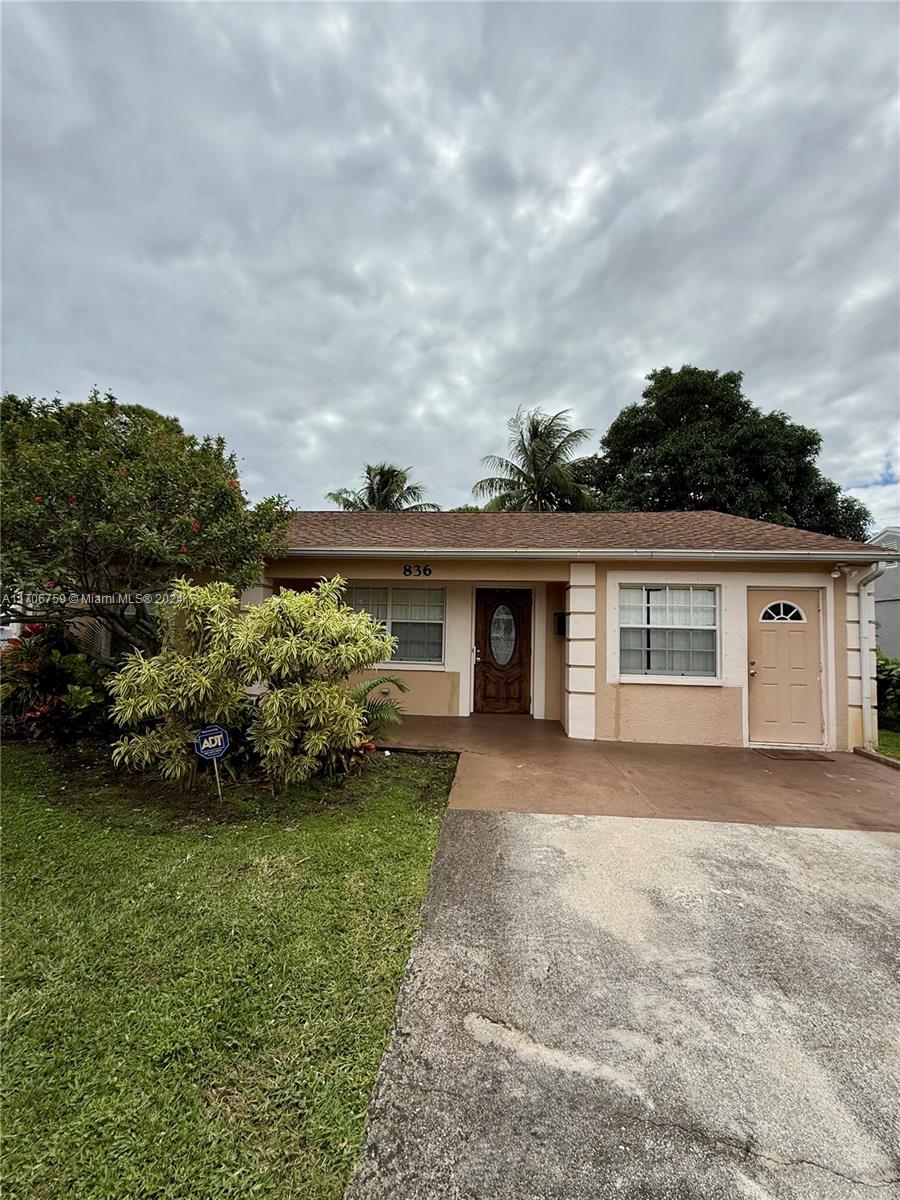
[502, 650]
[785, 666]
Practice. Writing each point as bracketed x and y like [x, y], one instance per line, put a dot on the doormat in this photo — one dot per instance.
[802, 755]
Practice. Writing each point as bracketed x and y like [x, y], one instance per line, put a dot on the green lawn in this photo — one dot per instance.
[889, 743]
[196, 1001]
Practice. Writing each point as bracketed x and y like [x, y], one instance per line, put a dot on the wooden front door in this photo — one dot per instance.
[785, 672]
[502, 650]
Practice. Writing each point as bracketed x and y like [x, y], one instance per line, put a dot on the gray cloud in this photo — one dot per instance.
[338, 234]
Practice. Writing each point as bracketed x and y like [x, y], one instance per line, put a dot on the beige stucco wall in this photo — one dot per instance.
[678, 711]
[698, 716]
[483, 570]
[554, 683]
[431, 693]
[695, 712]
[665, 713]
[452, 696]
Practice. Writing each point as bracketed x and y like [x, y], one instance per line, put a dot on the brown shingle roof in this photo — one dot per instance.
[630, 531]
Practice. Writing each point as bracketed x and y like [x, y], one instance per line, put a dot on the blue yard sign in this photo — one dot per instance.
[211, 742]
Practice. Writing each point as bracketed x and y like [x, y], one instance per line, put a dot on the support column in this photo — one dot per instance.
[581, 651]
[854, 670]
[256, 595]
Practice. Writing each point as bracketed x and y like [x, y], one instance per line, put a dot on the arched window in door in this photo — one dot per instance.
[782, 610]
[503, 635]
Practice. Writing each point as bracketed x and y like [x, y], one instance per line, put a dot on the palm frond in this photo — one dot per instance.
[362, 691]
[346, 500]
[569, 443]
[382, 712]
[536, 477]
[385, 488]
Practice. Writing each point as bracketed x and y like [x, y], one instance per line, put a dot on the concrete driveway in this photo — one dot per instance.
[644, 1009]
[514, 764]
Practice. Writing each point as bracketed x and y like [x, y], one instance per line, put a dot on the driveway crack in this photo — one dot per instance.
[723, 1142]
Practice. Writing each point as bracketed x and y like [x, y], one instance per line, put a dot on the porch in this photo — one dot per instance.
[516, 764]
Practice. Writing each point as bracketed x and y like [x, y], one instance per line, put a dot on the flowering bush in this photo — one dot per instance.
[103, 499]
[301, 645]
[50, 687]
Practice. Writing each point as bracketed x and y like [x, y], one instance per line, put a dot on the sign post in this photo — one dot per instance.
[211, 743]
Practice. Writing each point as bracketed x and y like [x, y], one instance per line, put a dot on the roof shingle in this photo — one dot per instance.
[631, 531]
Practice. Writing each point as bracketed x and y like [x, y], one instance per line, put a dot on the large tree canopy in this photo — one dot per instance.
[103, 500]
[697, 442]
[537, 476]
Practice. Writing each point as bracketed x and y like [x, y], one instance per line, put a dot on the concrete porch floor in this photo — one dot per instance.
[516, 764]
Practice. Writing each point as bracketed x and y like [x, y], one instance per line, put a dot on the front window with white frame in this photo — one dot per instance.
[415, 617]
[667, 630]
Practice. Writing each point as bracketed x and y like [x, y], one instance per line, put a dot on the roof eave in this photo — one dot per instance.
[825, 556]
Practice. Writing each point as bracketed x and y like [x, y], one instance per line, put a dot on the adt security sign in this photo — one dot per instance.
[211, 742]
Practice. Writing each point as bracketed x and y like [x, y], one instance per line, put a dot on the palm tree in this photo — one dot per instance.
[537, 476]
[385, 488]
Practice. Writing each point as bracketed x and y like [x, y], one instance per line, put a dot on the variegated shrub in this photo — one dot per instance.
[301, 646]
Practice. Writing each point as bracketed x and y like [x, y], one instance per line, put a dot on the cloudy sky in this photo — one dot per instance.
[341, 234]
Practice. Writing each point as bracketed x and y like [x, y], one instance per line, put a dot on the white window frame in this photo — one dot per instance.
[782, 620]
[629, 676]
[425, 663]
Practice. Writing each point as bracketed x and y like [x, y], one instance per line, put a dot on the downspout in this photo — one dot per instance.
[865, 646]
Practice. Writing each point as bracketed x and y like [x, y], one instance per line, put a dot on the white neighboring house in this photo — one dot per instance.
[8, 631]
[887, 597]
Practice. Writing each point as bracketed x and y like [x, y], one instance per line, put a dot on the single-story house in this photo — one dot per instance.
[679, 627]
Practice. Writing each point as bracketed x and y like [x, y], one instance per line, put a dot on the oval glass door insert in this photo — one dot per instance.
[503, 635]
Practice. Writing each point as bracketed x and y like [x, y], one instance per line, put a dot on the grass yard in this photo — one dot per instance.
[889, 743]
[196, 1002]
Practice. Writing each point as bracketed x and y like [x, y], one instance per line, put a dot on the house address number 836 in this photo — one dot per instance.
[416, 569]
